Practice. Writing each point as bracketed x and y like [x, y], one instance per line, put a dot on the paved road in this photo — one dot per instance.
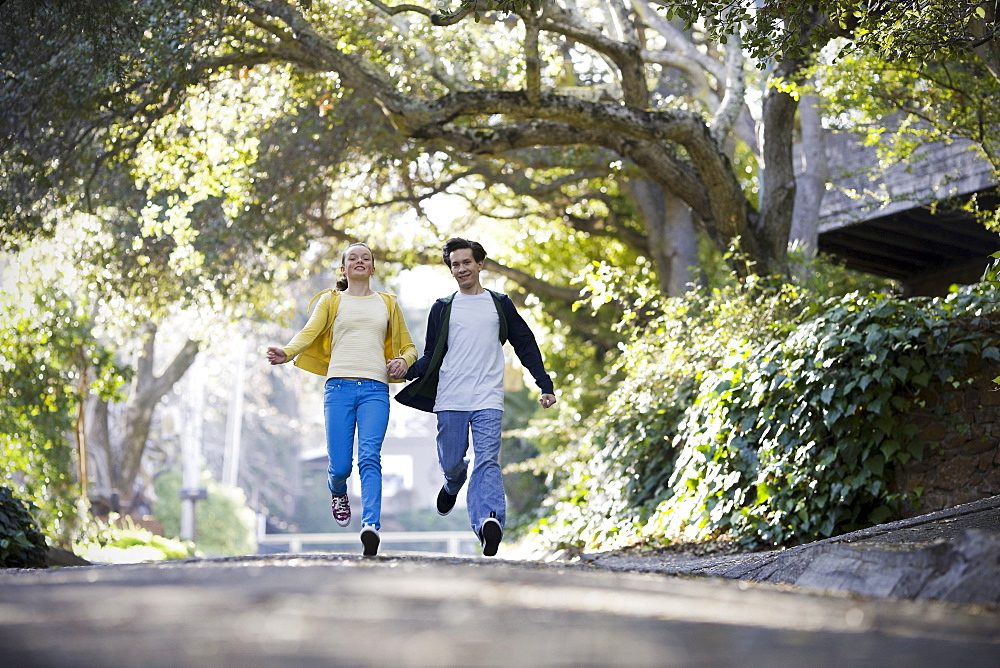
[322, 610]
[949, 555]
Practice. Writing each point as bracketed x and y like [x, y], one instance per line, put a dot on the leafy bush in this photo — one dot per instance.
[48, 360]
[224, 523]
[763, 416]
[125, 543]
[22, 545]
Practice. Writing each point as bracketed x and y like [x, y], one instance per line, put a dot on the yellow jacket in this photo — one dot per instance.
[311, 346]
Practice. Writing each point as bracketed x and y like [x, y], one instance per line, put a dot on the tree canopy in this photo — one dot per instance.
[607, 118]
[580, 105]
[895, 29]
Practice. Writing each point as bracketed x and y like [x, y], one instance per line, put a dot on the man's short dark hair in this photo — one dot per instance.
[457, 243]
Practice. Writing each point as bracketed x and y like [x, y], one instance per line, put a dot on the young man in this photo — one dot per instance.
[460, 378]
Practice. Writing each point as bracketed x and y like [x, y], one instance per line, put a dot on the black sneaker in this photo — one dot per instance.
[490, 534]
[370, 540]
[445, 502]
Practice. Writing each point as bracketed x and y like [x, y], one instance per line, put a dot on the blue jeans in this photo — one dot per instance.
[361, 405]
[485, 493]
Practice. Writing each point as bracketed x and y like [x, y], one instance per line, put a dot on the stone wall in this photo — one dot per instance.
[962, 460]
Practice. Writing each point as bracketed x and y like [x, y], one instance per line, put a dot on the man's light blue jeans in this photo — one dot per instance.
[485, 493]
[362, 406]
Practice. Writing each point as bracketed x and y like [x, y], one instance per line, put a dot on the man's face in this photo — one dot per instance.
[464, 268]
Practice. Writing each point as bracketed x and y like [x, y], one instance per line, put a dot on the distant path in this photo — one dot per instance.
[322, 610]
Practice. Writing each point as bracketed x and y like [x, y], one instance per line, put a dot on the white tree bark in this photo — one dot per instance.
[672, 240]
[812, 174]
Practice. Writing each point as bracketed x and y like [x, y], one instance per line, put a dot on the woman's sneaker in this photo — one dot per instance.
[370, 540]
[341, 508]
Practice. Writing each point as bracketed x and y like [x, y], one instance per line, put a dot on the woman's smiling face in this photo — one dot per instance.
[358, 262]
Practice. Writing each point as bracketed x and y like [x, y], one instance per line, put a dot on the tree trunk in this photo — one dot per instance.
[810, 180]
[80, 430]
[673, 244]
[769, 248]
[122, 455]
[987, 46]
[102, 456]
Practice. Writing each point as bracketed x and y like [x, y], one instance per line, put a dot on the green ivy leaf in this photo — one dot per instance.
[888, 448]
[880, 515]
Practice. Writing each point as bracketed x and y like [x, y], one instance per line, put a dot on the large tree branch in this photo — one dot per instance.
[679, 41]
[532, 60]
[432, 119]
[150, 390]
[392, 10]
[657, 160]
[732, 103]
[627, 57]
[532, 284]
[528, 282]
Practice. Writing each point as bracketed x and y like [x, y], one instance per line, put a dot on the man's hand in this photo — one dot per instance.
[397, 368]
[547, 400]
[276, 355]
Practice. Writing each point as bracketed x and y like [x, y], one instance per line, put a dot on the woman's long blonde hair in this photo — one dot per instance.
[342, 281]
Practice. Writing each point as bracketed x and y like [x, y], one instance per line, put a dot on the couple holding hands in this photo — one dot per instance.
[357, 339]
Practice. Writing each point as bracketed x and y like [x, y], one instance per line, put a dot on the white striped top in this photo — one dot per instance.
[358, 349]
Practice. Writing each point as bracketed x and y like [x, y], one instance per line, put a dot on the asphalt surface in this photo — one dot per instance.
[411, 611]
[408, 610]
[951, 555]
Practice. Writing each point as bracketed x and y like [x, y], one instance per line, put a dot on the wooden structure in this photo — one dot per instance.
[907, 224]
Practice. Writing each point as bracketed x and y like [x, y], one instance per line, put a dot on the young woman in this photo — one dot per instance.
[357, 339]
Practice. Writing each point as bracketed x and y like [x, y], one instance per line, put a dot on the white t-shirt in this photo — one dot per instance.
[471, 376]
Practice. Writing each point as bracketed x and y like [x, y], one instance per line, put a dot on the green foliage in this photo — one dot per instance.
[524, 488]
[22, 545]
[70, 69]
[125, 543]
[902, 31]
[224, 524]
[793, 28]
[992, 275]
[901, 106]
[766, 416]
[48, 361]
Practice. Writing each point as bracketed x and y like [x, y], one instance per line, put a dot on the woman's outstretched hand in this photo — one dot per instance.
[276, 355]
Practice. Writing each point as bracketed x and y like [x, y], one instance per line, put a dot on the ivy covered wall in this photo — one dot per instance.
[770, 417]
[962, 463]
